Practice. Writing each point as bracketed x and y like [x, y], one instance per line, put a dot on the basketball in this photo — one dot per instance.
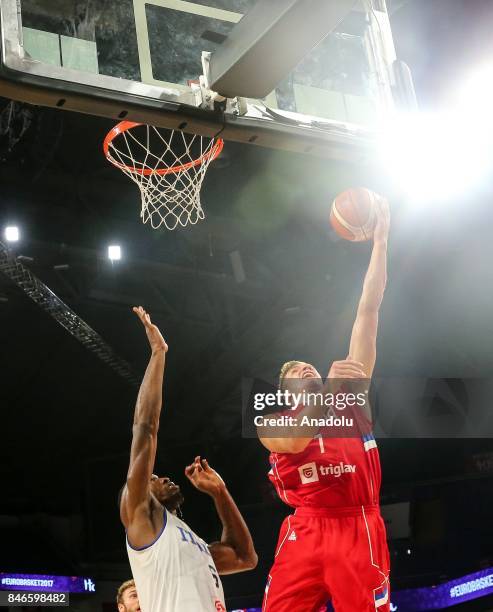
[353, 214]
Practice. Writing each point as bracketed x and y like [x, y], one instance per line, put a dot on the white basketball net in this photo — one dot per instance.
[169, 179]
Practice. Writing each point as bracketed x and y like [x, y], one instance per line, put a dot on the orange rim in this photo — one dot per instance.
[124, 126]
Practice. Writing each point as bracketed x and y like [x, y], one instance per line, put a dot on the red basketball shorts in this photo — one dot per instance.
[326, 554]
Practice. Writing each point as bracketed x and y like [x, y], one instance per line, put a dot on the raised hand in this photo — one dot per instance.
[342, 371]
[383, 220]
[154, 336]
[346, 368]
[203, 477]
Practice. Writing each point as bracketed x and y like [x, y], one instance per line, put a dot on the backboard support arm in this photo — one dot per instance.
[270, 36]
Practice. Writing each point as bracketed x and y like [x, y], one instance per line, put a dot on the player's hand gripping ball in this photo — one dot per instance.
[353, 214]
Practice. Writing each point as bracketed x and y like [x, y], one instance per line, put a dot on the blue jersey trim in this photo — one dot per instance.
[165, 521]
[381, 595]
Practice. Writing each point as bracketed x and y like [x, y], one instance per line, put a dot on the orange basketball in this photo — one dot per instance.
[353, 214]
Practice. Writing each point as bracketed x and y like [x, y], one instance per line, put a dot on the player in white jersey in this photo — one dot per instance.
[174, 570]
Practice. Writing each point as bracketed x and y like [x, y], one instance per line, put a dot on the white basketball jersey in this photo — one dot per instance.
[176, 573]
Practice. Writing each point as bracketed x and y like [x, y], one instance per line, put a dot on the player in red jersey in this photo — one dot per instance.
[334, 545]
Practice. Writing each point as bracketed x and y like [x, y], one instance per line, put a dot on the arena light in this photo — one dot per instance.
[474, 97]
[434, 156]
[114, 252]
[12, 233]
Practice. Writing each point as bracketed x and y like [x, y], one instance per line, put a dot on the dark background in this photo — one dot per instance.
[66, 417]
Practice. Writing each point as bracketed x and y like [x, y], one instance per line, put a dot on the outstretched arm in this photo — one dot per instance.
[362, 347]
[146, 423]
[362, 350]
[235, 552]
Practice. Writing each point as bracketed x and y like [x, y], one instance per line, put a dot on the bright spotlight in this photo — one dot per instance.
[434, 157]
[474, 97]
[114, 252]
[12, 233]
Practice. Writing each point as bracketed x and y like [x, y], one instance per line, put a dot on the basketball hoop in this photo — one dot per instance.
[168, 166]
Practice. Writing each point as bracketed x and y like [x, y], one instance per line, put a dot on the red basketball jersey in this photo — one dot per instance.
[330, 472]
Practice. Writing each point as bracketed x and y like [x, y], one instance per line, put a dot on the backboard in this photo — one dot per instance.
[141, 60]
